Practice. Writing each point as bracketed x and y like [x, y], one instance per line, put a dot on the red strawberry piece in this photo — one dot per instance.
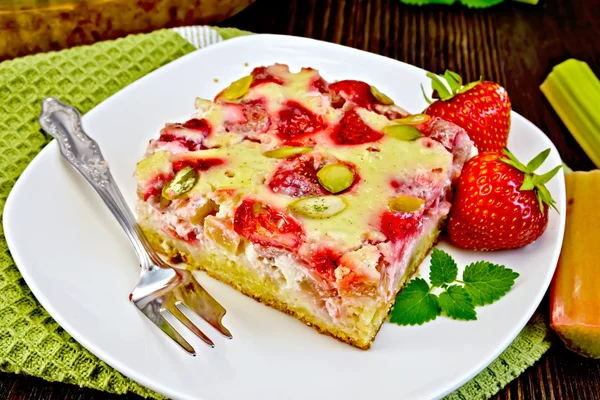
[297, 176]
[190, 237]
[152, 191]
[262, 75]
[296, 122]
[398, 226]
[482, 109]
[357, 92]
[262, 224]
[353, 130]
[190, 134]
[200, 125]
[319, 84]
[500, 203]
[199, 164]
[154, 187]
[256, 118]
[323, 263]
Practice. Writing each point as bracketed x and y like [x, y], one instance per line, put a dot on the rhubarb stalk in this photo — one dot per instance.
[574, 92]
[575, 289]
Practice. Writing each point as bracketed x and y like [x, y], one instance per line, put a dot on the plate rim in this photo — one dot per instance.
[130, 373]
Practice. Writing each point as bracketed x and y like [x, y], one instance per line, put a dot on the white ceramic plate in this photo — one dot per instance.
[80, 266]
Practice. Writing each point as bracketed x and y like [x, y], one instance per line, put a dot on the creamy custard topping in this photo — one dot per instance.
[249, 191]
[246, 169]
[395, 161]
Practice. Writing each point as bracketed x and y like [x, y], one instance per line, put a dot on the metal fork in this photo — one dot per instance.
[162, 289]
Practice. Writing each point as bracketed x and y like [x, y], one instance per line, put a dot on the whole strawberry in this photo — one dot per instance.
[500, 203]
[480, 108]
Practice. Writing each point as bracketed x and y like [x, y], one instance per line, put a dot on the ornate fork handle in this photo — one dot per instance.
[63, 122]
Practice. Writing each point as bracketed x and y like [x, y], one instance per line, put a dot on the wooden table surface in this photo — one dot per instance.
[514, 44]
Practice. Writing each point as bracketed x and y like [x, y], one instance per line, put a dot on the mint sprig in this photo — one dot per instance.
[443, 268]
[486, 282]
[482, 283]
[416, 305]
[456, 303]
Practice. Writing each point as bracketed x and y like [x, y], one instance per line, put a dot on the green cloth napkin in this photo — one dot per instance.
[31, 342]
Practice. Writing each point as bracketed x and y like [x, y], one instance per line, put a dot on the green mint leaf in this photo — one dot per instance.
[443, 268]
[538, 160]
[456, 303]
[486, 282]
[415, 305]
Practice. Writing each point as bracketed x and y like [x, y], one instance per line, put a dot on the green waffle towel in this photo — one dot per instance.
[31, 342]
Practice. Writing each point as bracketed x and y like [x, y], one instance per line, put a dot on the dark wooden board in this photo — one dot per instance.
[514, 44]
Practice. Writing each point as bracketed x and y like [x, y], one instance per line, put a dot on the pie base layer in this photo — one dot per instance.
[268, 291]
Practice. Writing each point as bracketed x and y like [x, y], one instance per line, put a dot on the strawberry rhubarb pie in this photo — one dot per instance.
[318, 199]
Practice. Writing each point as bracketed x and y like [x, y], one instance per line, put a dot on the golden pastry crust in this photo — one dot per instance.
[235, 275]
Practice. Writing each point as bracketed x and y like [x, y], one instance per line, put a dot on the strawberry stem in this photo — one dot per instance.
[454, 80]
[531, 181]
[450, 79]
[438, 86]
[427, 99]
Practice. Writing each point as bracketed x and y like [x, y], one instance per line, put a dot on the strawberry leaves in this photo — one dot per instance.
[482, 283]
[454, 80]
[538, 160]
[439, 88]
[440, 85]
[531, 181]
[545, 178]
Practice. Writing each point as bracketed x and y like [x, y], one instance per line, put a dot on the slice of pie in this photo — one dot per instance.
[317, 199]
